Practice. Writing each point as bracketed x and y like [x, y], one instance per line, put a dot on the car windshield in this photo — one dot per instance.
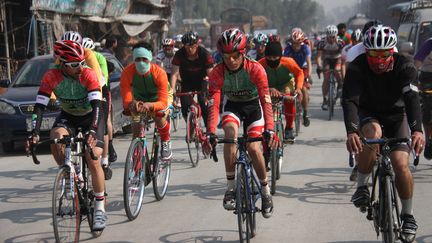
[425, 32]
[32, 72]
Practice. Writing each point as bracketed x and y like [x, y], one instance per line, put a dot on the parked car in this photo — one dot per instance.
[16, 104]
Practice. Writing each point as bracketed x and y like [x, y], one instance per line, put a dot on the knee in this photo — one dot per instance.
[254, 149]
[230, 130]
[372, 130]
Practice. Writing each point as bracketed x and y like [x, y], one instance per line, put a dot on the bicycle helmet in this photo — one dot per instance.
[72, 36]
[232, 40]
[380, 37]
[167, 42]
[260, 39]
[190, 38]
[88, 43]
[68, 51]
[297, 35]
[357, 35]
[331, 30]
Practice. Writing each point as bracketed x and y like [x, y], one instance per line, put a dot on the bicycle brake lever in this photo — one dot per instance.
[213, 154]
[416, 160]
[33, 151]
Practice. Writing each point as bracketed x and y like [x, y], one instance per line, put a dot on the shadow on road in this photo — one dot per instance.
[199, 236]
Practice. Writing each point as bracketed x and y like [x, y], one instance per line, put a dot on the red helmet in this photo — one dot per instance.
[168, 42]
[232, 40]
[297, 35]
[68, 51]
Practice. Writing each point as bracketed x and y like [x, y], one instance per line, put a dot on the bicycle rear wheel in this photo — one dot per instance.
[331, 97]
[134, 179]
[191, 138]
[65, 208]
[243, 207]
[161, 172]
[388, 220]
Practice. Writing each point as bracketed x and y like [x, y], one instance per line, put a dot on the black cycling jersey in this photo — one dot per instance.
[382, 94]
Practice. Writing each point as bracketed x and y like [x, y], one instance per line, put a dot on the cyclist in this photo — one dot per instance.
[280, 80]
[356, 38]
[165, 55]
[301, 53]
[88, 43]
[78, 89]
[359, 48]
[329, 58]
[144, 88]
[378, 92]
[423, 61]
[192, 63]
[244, 83]
[343, 34]
[260, 41]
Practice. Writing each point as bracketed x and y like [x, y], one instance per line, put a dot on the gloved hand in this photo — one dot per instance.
[271, 139]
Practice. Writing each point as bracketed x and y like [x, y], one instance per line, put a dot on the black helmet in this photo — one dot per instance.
[190, 38]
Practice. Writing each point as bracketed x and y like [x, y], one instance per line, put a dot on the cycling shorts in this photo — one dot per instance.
[250, 113]
[331, 63]
[393, 126]
[72, 123]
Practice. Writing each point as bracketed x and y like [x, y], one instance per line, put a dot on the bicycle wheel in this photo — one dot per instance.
[274, 161]
[388, 221]
[161, 171]
[298, 117]
[191, 139]
[175, 120]
[134, 179]
[65, 208]
[243, 207]
[331, 99]
[280, 149]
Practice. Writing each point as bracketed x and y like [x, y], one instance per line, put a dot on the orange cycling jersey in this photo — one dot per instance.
[150, 87]
[280, 77]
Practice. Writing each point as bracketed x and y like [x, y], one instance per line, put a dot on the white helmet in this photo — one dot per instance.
[380, 37]
[331, 30]
[88, 43]
[357, 35]
[72, 36]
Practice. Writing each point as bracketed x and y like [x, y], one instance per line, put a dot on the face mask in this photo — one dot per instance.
[273, 63]
[380, 65]
[142, 67]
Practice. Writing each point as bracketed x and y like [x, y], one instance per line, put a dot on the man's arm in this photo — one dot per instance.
[175, 75]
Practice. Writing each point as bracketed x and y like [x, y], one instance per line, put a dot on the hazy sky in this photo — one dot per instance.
[330, 4]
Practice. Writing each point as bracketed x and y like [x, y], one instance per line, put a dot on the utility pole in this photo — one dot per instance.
[5, 30]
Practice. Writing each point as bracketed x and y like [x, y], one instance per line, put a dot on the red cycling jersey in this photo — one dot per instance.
[248, 83]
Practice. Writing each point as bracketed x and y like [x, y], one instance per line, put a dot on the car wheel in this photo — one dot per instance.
[8, 147]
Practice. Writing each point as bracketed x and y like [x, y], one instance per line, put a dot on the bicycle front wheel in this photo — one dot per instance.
[243, 206]
[134, 179]
[175, 120]
[331, 98]
[161, 172]
[65, 208]
[274, 161]
[191, 138]
[279, 130]
[388, 220]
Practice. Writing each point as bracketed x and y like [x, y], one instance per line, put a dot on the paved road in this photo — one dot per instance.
[311, 204]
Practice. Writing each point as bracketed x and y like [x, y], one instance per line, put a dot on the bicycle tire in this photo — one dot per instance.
[331, 100]
[274, 161]
[387, 223]
[65, 209]
[279, 128]
[176, 120]
[134, 179]
[242, 207]
[191, 140]
[161, 171]
[298, 117]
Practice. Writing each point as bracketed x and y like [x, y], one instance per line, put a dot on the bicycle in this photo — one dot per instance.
[73, 197]
[140, 170]
[248, 188]
[298, 115]
[175, 115]
[384, 210]
[194, 133]
[332, 94]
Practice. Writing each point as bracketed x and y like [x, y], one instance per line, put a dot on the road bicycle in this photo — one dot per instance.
[73, 196]
[248, 188]
[141, 168]
[384, 208]
[195, 136]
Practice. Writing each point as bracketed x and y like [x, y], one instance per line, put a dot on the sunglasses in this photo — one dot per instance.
[234, 55]
[75, 64]
[381, 54]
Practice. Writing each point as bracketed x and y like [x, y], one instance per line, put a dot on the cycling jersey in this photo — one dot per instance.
[150, 87]
[382, 94]
[346, 38]
[281, 76]
[164, 61]
[192, 72]
[92, 62]
[246, 84]
[330, 51]
[103, 65]
[301, 56]
[345, 51]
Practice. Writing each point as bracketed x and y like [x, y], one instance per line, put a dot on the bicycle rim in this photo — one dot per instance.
[134, 178]
[191, 139]
[65, 209]
[387, 223]
[242, 206]
[161, 174]
[274, 161]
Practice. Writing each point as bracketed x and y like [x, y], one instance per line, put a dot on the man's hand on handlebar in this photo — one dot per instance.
[271, 139]
[31, 140]
[91, 138]
[354, 144]
[417, 142]
[210, 143]
[275, 93]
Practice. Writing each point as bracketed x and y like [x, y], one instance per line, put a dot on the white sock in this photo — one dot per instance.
[104, 161]
[231, 184]
[407, 207]
[265, 190]
[362, 179]
[100, 201]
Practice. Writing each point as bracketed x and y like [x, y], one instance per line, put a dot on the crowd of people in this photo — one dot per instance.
[239, 80]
